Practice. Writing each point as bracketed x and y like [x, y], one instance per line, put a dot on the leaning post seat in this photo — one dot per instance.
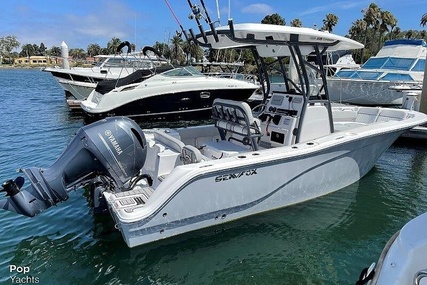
[235, 117]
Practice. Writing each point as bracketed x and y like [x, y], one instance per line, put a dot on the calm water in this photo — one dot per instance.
[324, 241]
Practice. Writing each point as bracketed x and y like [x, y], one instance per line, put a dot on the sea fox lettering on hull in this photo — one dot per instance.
[113, 141]
[230, 176]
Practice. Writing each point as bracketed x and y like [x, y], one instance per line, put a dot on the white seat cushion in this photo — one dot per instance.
[222, 149]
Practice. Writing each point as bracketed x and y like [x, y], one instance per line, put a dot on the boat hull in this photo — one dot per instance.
[403, 258]
[226, 191]
[179, 105]
[76, 90]
[79, 83]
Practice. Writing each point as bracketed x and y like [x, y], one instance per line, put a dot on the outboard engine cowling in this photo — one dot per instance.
[114, 147]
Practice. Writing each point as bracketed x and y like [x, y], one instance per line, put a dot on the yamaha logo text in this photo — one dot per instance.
[113, 141]
[230, 176]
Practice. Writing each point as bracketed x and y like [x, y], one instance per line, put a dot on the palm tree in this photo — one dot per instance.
[357, 32]
[177, 55]
[192, 51]
[274, 19]
[296, 23]
[78, 53]
[395, 33]
[387, 19]
[42, 49]
[113, 44]
[93, 49]
[423, 20]
[330, 22]
[163, 49]
[55, 51]
[372, 16]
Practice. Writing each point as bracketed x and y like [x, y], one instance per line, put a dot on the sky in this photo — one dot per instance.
[144, 22]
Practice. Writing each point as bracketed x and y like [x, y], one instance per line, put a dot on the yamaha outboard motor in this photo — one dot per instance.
[112, 149]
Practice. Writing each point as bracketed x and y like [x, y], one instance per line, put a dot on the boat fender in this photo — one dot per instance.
[366, 274]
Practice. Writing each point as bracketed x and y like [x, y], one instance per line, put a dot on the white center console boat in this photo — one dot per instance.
[160, 183]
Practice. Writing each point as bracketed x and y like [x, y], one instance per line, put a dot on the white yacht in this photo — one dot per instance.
[79, 82]
[339, 60]
[160, 183]
[398, 62]
[177, 93]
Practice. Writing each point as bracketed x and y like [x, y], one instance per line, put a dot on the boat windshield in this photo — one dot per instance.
[397, 77]
[395, 63]
[419, 66]
[366, 75]
[183, 71]
[369, 69]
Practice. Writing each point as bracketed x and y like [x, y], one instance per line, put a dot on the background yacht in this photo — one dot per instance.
[398, 62]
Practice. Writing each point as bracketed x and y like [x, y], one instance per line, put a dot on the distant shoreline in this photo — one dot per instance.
[11, 66]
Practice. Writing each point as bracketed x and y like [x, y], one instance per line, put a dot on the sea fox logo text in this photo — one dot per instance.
[230, 176]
